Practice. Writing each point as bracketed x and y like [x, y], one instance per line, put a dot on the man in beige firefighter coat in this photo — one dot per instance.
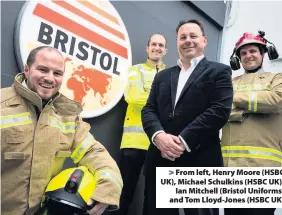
[253, 136]
[40, 128]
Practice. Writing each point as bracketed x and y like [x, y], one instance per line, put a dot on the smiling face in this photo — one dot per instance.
[156, 48]
[190, 42]
[45, 75]
[250, 57]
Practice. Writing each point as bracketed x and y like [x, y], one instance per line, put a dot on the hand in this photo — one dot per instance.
[165, 156]
[177, 140]
[98, 209]
[169, 145]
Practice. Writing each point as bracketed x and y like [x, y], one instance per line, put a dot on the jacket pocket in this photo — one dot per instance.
[12, 139]
[12, 161]
[63, 154]
[14, 156]
[57, 162]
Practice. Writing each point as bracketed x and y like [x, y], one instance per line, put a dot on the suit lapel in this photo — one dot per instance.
[195, 74]
[173, 84]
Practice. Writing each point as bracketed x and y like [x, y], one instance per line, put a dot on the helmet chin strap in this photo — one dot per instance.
[254, 70]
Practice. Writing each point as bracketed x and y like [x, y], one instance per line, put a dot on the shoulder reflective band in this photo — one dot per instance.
[252, 152]
[15, 120]
[133, 129]
[65, 127]
[135, 83]
[251, 87]
[108, 174]
[142, 76]
[81, 149]
[143, 72]
[131, 73]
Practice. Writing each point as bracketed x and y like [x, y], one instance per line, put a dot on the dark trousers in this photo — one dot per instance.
[131, 163]
[149, 207]
[249, 211]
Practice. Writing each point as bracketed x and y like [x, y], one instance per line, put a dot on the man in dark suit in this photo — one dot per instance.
[188, 105]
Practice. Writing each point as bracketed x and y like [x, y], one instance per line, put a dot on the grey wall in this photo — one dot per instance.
[212, 10]
[9, 68]
[163, 17]
[141, 20]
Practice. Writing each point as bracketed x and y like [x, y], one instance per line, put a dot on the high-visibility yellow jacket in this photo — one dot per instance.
[140, 78]
[34, 149]
[253, 135]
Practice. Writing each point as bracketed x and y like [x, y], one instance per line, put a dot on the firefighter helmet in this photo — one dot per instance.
[69, 192]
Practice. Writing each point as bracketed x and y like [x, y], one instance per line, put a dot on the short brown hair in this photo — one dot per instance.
[149, 40]
[31, 57]
[197, 22]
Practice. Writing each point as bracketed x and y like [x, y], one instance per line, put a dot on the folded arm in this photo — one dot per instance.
[92, 154]
[134, 92]
[265, 100]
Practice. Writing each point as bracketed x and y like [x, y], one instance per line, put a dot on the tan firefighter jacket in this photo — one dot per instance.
[140, 78]
[253, 135]
[34, 150]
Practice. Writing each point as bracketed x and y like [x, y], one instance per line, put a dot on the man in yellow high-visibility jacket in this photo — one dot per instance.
[135, 142]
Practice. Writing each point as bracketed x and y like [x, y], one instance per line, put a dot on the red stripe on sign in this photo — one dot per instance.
[99, 11]
[91, 19]
[69, 25]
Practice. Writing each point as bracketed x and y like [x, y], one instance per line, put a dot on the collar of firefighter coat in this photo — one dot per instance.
[61, 103]
[152, 64]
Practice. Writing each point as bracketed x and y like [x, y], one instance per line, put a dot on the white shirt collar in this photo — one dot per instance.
[194, 61]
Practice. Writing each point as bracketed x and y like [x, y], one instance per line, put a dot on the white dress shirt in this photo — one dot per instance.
[183, 78]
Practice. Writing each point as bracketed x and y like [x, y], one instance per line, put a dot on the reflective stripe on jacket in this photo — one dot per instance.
[253, 135]
[34, 149]
[140, 78]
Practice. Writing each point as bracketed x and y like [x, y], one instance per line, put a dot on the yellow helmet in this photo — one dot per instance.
[69, 192]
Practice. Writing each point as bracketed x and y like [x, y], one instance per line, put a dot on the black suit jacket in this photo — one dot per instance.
[201, 111]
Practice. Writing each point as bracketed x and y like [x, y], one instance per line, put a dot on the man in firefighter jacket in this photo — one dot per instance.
[40, 128]
[252, 137]
[135, 143]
